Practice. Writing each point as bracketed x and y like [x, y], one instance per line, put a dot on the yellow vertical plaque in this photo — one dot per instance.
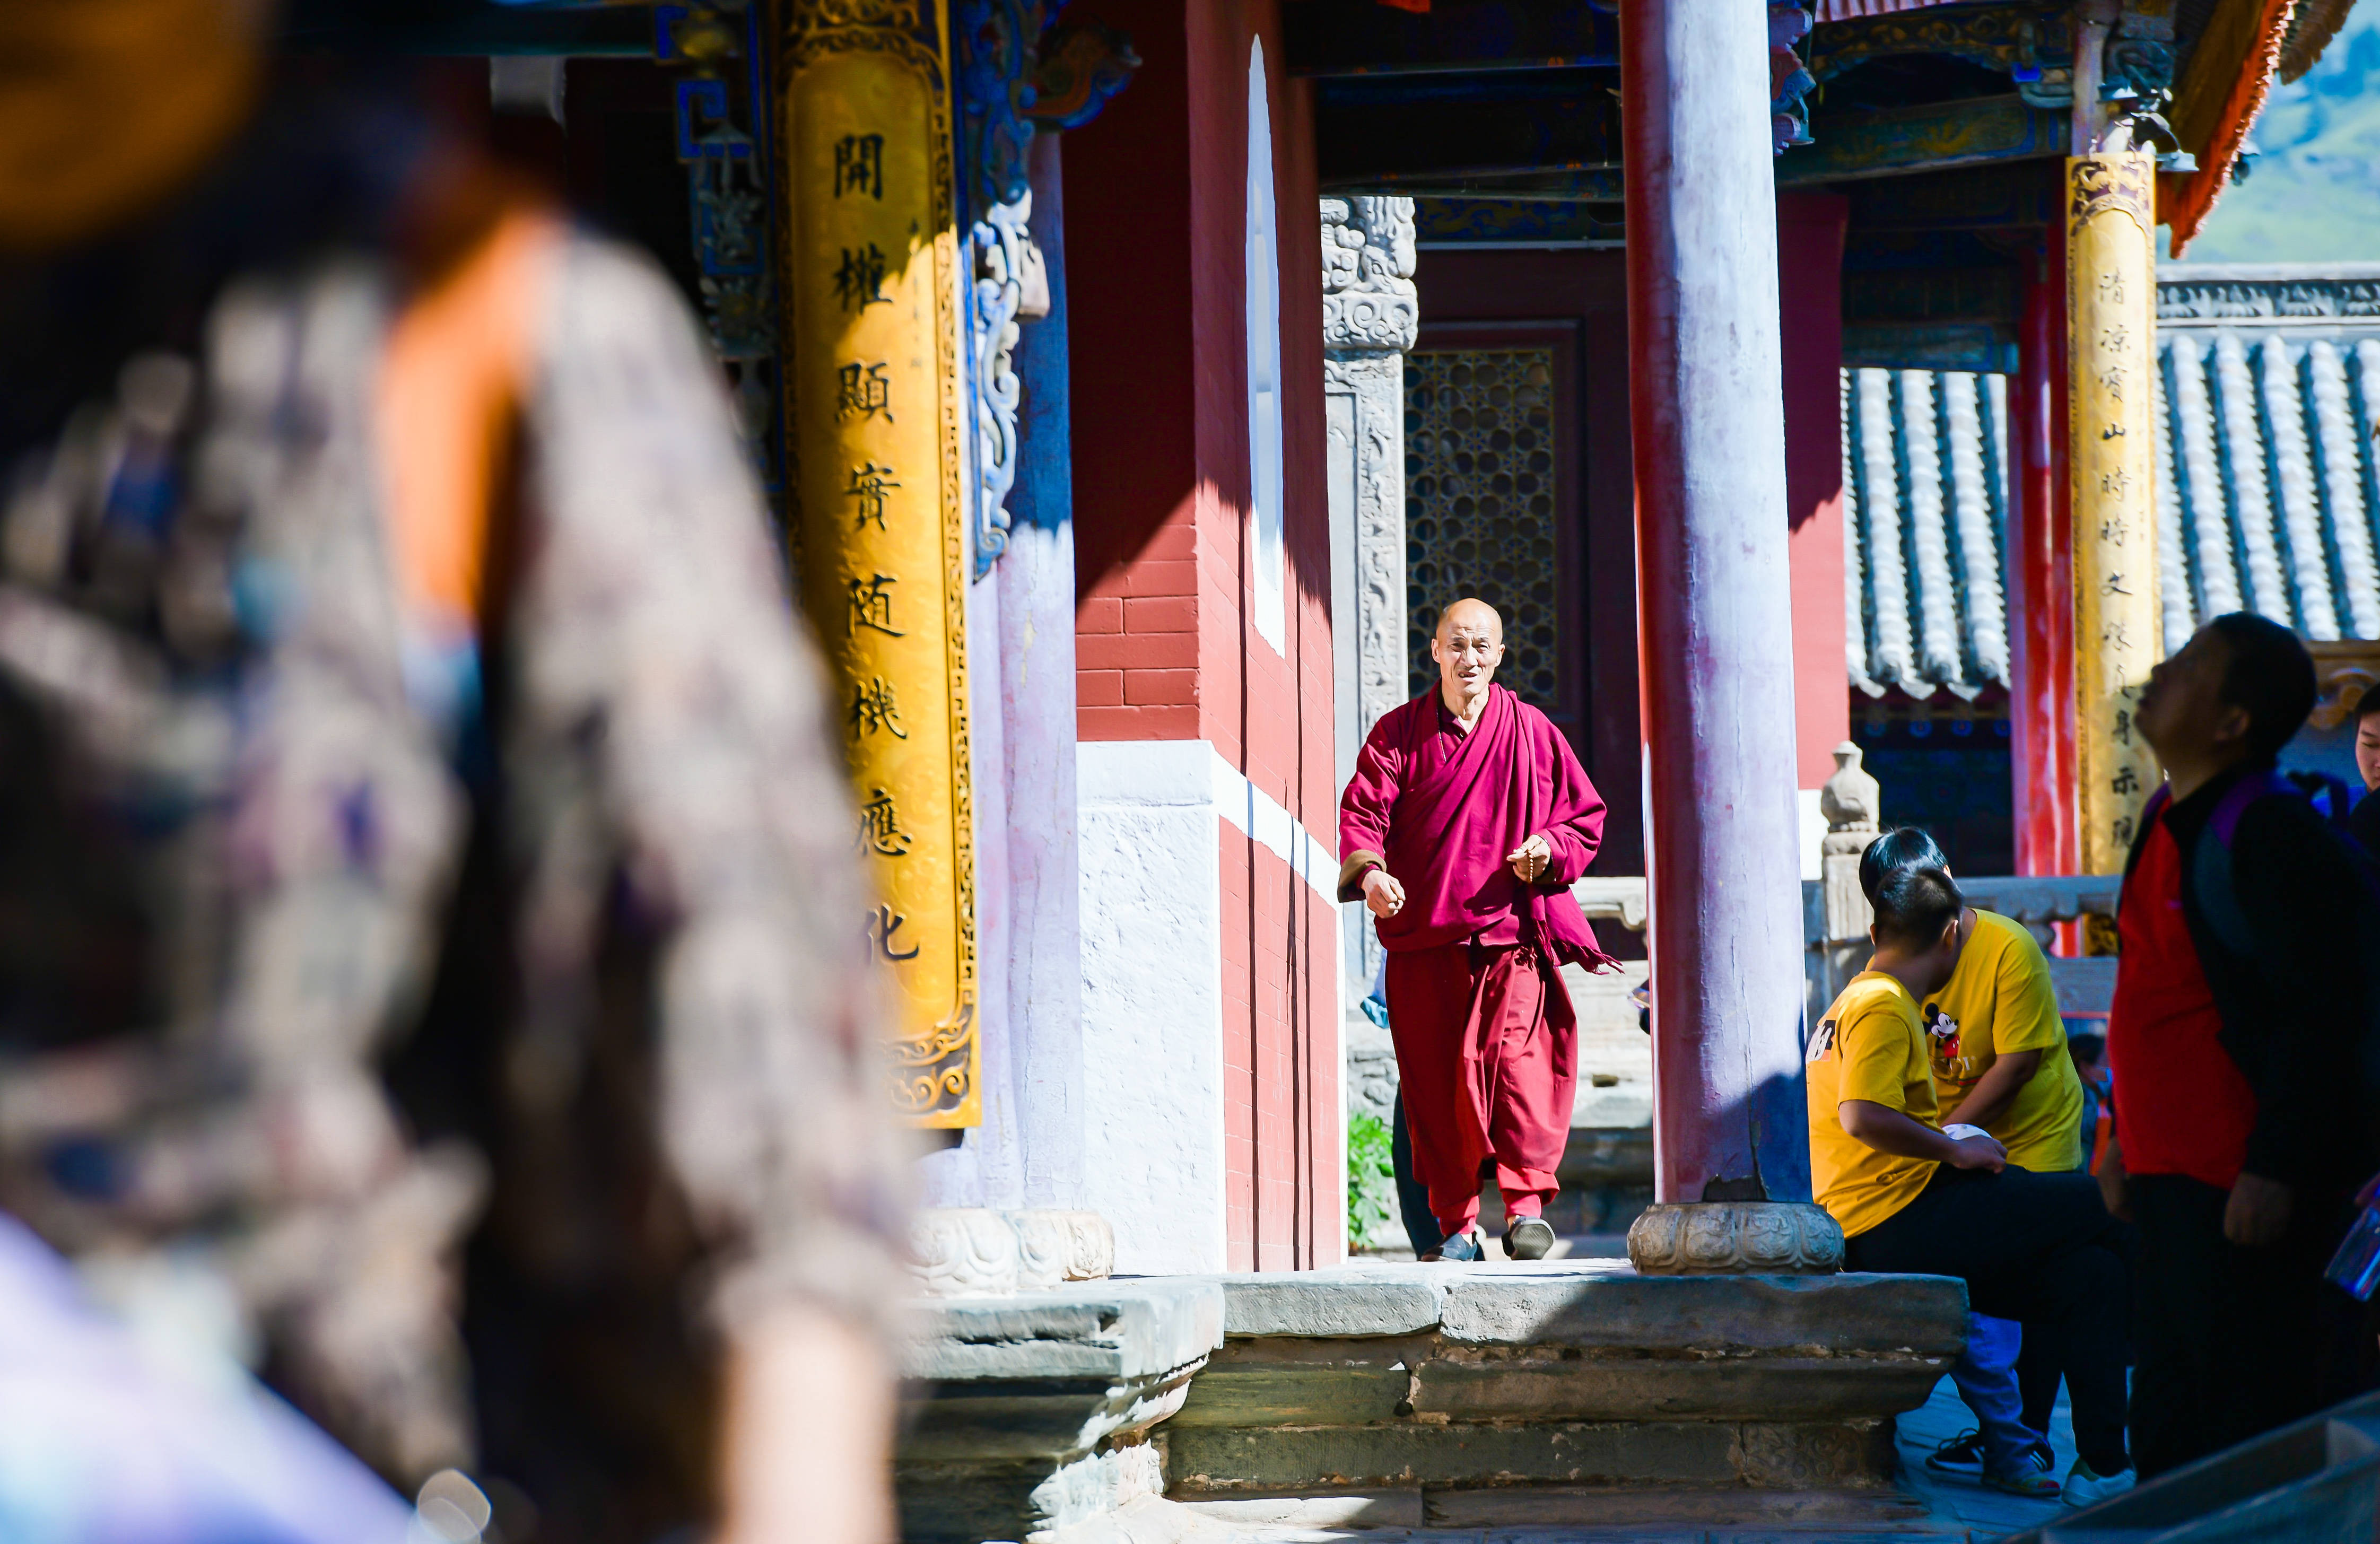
[2118, 625]
[873, 383]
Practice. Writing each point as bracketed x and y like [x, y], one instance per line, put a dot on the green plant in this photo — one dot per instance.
[1371, 1179]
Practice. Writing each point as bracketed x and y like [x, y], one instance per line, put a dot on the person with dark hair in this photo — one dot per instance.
[2038, 1248]
[1999, 1058]
[2364, 819]
[2241, 1004]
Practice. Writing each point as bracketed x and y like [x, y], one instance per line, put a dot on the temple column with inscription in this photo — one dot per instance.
[2111, 439]
[1706, 415]
[866, 269]
[1371, 316]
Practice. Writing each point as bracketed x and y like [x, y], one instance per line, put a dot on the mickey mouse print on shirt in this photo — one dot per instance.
[1942, 1039]
[1998, 1003]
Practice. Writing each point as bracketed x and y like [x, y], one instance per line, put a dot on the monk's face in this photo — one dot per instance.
[1468, 648]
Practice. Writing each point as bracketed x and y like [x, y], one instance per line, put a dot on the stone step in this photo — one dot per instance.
[1547, 1392]
[1554, 1395]
[1406, 1519]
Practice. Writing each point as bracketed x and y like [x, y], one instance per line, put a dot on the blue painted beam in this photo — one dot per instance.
[1897, 141]
[477, 27]
[1355, 143]
[2004, 196]
[1491, 222]
[1363, 37]
[1568, 82]
[1580, 184]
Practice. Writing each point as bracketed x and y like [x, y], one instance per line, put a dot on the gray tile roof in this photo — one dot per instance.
[2268, 494]
[1926, 511]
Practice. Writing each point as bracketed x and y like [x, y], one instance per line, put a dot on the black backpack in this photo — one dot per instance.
[2211, 881]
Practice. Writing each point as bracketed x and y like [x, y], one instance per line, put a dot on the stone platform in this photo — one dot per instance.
[1029, 1414]
[1558, 1394]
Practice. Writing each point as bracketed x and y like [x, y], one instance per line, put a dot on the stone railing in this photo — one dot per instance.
[1835, 915]
[1616, 898]
[2040, 902]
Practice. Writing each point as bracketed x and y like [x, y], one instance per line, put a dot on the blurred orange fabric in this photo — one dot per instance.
[450, 394]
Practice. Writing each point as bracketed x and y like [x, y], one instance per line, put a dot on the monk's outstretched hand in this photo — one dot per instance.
[1529, 859]
[1383, 894]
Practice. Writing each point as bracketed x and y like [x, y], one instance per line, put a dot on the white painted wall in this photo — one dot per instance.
[1813, 831]
[1152, 1003]
[1152, 816]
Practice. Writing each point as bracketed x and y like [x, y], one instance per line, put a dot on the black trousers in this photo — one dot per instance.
[2234, 1341]
[2040, 1249]
[1413, 1196]
[2037, 1377]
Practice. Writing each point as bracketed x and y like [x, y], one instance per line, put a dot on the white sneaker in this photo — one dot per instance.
[2087, 1487]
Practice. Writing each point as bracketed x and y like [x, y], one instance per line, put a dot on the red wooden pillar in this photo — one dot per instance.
[2041, 703]
[1706, 415]
[1810, 298]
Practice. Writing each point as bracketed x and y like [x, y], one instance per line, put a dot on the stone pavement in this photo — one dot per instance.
[1988, 1514]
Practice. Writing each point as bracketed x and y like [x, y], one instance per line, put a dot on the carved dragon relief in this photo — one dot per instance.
[2114, 185]
[1010, 55]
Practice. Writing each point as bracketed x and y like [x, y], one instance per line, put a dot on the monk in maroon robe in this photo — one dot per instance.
[1464, 825]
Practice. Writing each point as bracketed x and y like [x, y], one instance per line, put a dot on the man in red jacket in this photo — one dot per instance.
[1464, 825]
[2241, 1010]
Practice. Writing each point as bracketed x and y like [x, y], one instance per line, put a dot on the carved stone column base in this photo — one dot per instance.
[1735, 1238]
[975, 1251]
[1031, 1414]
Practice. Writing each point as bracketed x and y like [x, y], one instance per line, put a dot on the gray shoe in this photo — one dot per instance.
[1528, 1238]
[1462, 1249]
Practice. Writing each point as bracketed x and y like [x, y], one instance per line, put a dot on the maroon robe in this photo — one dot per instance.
[1487, 1039]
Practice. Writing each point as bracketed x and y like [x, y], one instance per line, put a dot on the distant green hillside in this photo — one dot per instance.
[2312, 194]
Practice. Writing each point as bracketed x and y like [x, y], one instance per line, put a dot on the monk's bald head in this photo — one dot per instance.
[1471, 613]
[1468, 648]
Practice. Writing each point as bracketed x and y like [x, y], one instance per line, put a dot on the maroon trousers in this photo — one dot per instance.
[1488, 1060]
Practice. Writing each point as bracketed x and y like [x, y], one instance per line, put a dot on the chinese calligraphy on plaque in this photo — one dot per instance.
[859, 165]
[862, 391]
[871, 276]
[872, 486]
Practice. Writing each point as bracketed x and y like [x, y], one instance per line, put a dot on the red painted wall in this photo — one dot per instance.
[1166, 648]
[1810, 298]
[1133, 361]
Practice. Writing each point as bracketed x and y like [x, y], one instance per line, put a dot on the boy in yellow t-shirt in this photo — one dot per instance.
[2032, 1248]
[2000, 1062]
[1875, 1130]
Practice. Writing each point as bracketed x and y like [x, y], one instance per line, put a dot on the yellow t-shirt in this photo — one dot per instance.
[1998, 1000]
[1869, 1046]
